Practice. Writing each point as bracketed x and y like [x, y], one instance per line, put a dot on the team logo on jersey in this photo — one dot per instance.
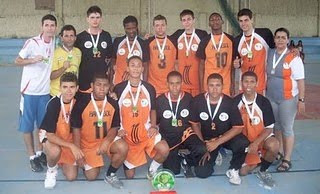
[223, 116]
[167, 114]
[204, 116]
[104, 44]
[286, 66]
[88, 44]
[144, 102]
[121, 51]
[136, 53]
[244, 51]
[255, 120]
[184, 113]
[258, 46]
[180, 46]
[126, 102]
[194, 47]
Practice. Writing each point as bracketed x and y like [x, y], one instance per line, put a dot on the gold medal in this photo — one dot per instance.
[273, 71]
[69, 57]
[95, 50]
[250, 55]
[100, 123]
[174, 122]
[187, 53]
[46, 60]
[134, 109]
[161, 56]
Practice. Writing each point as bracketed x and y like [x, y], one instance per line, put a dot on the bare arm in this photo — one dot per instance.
[201, 72]
[23, 62]
[301, 88]
[229, 134]
[146, 71]
[197, 130]
[57, 73]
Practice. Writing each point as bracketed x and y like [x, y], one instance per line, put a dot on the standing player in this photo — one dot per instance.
[66, 58]
[173, 115]
[188, 40]
[55, 133]
[36, 58]
[258, 119]
[220, 126]
[95, 122]
[126, 46]
[251, 48]
[96, 47]
[162, 55]
[215, 52]
[138, 121]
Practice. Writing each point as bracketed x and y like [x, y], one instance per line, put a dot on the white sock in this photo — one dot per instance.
[32, 157]
[154, 166]
[52, 168]
[38, 153]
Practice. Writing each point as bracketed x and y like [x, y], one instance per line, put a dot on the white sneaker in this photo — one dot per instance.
[51, 180]
[233, 176]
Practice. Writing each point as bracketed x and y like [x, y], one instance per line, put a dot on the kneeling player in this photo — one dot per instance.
[221, 126]
[55, 133]
[138, 121]
[173, 114]
[258, 119]
[95, 122]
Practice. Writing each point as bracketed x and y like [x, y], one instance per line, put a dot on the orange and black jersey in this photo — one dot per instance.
[90, 62]
[159, 68]
[84, 116]
[189, 65]
[54, 121]
[172, 134]
[136, 123]
[263, 111]
[121, 52]
[217, 62]
[228, 116]
[262, 41]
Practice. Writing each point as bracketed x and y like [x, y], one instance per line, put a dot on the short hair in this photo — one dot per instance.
[186, 12]
[159, 17]
[245, 12]
[94, 9]
[99, 75]
[215, 76]
[49, 17]
[68, 28]
[134, 57]
[69, 77]
[282, 30]
[215, 13]
[249, 74]
[174, 74]
[130, 19]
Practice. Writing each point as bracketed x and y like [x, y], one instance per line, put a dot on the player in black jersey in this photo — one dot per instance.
[173, 115]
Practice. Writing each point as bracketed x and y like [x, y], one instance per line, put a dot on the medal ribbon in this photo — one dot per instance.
[95, 43]
[209, 107]
[99, 114]
[274, 63]
[161, 49]
[220, 42]
[66, 118]
[174, 114]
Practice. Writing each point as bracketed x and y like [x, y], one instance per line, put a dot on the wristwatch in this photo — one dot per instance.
[301, 100]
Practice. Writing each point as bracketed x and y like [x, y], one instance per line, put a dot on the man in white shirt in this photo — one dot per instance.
[36, 58]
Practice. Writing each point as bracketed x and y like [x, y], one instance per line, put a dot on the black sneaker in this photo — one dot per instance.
[43, 159]
[35, 165]
[187, 170]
